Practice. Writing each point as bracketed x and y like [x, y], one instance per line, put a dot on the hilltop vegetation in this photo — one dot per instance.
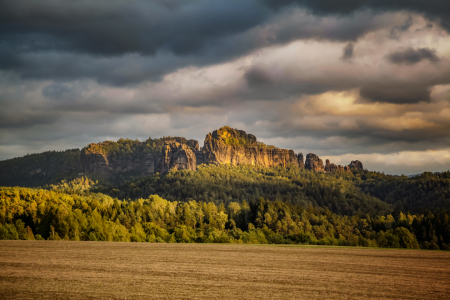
[35, 170]
[125, 146]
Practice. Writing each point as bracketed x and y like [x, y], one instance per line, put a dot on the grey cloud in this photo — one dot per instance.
[118, 26]
[347, 52]
[412, 56]
[127, 42]
[27, 119]
[135, 68]
[120, 71]
[436, 10]
[57, 91]
[257, 77]
[396, 93]
[397, 30]
[183, 27]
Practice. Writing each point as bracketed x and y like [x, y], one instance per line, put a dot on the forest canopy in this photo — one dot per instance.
[81, 215]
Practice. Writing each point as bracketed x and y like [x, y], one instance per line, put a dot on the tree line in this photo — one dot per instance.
[77, 214]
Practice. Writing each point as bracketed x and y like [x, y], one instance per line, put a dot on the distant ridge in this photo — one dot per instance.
[127, 157]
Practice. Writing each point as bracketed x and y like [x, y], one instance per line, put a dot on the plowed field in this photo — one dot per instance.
[84, 270]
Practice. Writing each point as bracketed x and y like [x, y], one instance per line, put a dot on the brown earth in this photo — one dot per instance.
[84, 270]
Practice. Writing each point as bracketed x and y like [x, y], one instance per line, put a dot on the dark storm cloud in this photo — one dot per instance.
[257, 77]
[137, 67]
[14, 120]
[116, 27]
[412, 56]
[396, 93]
[122, 42]
[397, 30]
[347, 52]
[438, 10]
[120, 71]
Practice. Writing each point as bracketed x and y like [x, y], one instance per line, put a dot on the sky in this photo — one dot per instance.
[351, 79]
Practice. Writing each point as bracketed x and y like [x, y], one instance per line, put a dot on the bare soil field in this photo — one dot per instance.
[86, 270]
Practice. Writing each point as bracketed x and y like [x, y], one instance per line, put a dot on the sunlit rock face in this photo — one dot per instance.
[314, 163]
[232, 146]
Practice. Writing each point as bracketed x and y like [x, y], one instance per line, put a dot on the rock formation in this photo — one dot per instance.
[133, 158]
[167, 154]
[356, 164]
[223, 146]
[301, 163]
[232, 146]
[314, 163]
[177, 156]
[333, 168]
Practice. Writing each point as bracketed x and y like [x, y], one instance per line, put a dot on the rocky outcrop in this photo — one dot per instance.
[235, 147]
[356, 164]
[109, 165]
[301, 163]
[314, 163]
[333, 168]
[168, 153]
[133, 158]
[177, 156]
[223, 146]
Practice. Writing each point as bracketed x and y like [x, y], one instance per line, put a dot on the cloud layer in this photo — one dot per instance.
[369, 79]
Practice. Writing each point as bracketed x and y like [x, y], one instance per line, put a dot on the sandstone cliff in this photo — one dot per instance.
[223, 146]
[232, 146]
[314, 163]
[140, 158]
[177, 156]
[356, 164]
[335, 168]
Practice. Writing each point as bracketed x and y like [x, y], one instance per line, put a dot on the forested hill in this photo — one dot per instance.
[425, 191]
[225, 184]
[238, 204]
[34, 170]
[345, 193]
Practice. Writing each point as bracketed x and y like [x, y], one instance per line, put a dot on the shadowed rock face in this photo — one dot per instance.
[356, 164]
[177, 156]
[232, 146]
[332, 168]
[301, 164]
[314, 163]
[173, 153]
[107, 165]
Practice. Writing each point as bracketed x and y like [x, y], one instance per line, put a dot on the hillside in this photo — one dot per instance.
[35, 170]
[339, 192]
